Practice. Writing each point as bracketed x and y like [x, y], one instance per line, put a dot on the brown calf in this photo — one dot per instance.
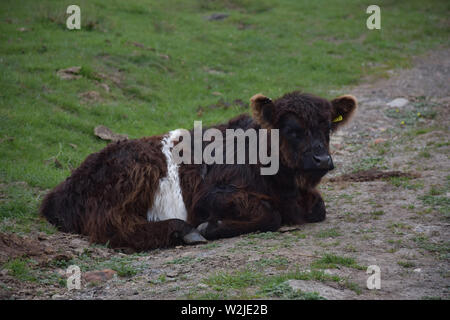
[132, 194]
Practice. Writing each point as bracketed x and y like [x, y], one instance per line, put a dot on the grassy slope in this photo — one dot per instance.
[263, 46]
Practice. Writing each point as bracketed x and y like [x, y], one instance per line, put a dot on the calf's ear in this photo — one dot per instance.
[342, 110]
[262, 110]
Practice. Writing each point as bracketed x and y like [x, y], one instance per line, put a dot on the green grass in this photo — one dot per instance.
[20, 269]
[442, 249]
[406, 264]
[264, 235]
[181, 260]
[123, 266]
[328, 233]
[369, 163]
[376, 213]
[284, 291]
[18, 210]
[421, 109]
[406, 183]
[437, 199]
[272, 262]
[250, 284]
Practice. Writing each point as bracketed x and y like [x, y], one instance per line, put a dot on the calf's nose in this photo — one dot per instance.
[324, 162]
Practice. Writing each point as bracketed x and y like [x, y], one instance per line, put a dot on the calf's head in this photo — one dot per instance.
[305, 123]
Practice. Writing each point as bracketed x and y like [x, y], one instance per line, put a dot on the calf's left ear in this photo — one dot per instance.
[262, 110]
[342, 110]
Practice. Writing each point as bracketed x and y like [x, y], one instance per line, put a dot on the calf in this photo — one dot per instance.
[133, 194]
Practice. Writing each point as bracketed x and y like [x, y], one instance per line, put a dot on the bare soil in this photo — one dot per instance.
[387, 201]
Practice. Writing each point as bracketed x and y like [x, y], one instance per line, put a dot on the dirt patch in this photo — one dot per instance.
[69, 73]
[90, 97]
[13, 246]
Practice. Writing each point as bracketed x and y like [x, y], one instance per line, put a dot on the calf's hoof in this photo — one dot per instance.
[209, 229]
[202, 228]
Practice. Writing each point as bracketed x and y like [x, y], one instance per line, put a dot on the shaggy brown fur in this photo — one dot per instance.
[108, 196]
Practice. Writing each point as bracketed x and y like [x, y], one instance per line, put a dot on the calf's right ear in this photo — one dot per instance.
[262, 110]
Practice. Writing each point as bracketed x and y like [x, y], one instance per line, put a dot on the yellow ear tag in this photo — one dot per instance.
[338, 119]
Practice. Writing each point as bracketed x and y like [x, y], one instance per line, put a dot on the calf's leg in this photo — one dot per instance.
[246, 216]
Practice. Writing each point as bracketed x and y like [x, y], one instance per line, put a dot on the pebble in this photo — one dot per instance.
[324, 291]
[379, 140]
[172, 274]
[398, 103]
[99, 276]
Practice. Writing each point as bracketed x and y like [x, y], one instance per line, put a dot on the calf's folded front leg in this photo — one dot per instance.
[257, 216]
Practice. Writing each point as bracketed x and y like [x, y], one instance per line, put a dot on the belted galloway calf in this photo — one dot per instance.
[135, 194]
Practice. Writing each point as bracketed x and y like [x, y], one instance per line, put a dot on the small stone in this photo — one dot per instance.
[78, 251]
[58, 297]
[69, 73]
[75, 243]
[42, 236]
[105, 133]
[418, 270]
[217, 16]
[49, 250]
[379, 140]
[105, 87]
[172, 274]
[398, 103]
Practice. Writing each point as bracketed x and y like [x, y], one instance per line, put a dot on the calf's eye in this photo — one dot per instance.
[294, 133]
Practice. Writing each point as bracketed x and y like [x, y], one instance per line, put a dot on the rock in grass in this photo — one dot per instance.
[217, 16]
[90, 96]
[398, 103]
[69, 73]
[99, 276]
[323, 290]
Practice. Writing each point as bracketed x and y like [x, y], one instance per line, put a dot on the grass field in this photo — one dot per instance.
[159, 65]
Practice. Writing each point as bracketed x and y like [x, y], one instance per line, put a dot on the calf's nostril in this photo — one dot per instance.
[323, 162]
[317, 159]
